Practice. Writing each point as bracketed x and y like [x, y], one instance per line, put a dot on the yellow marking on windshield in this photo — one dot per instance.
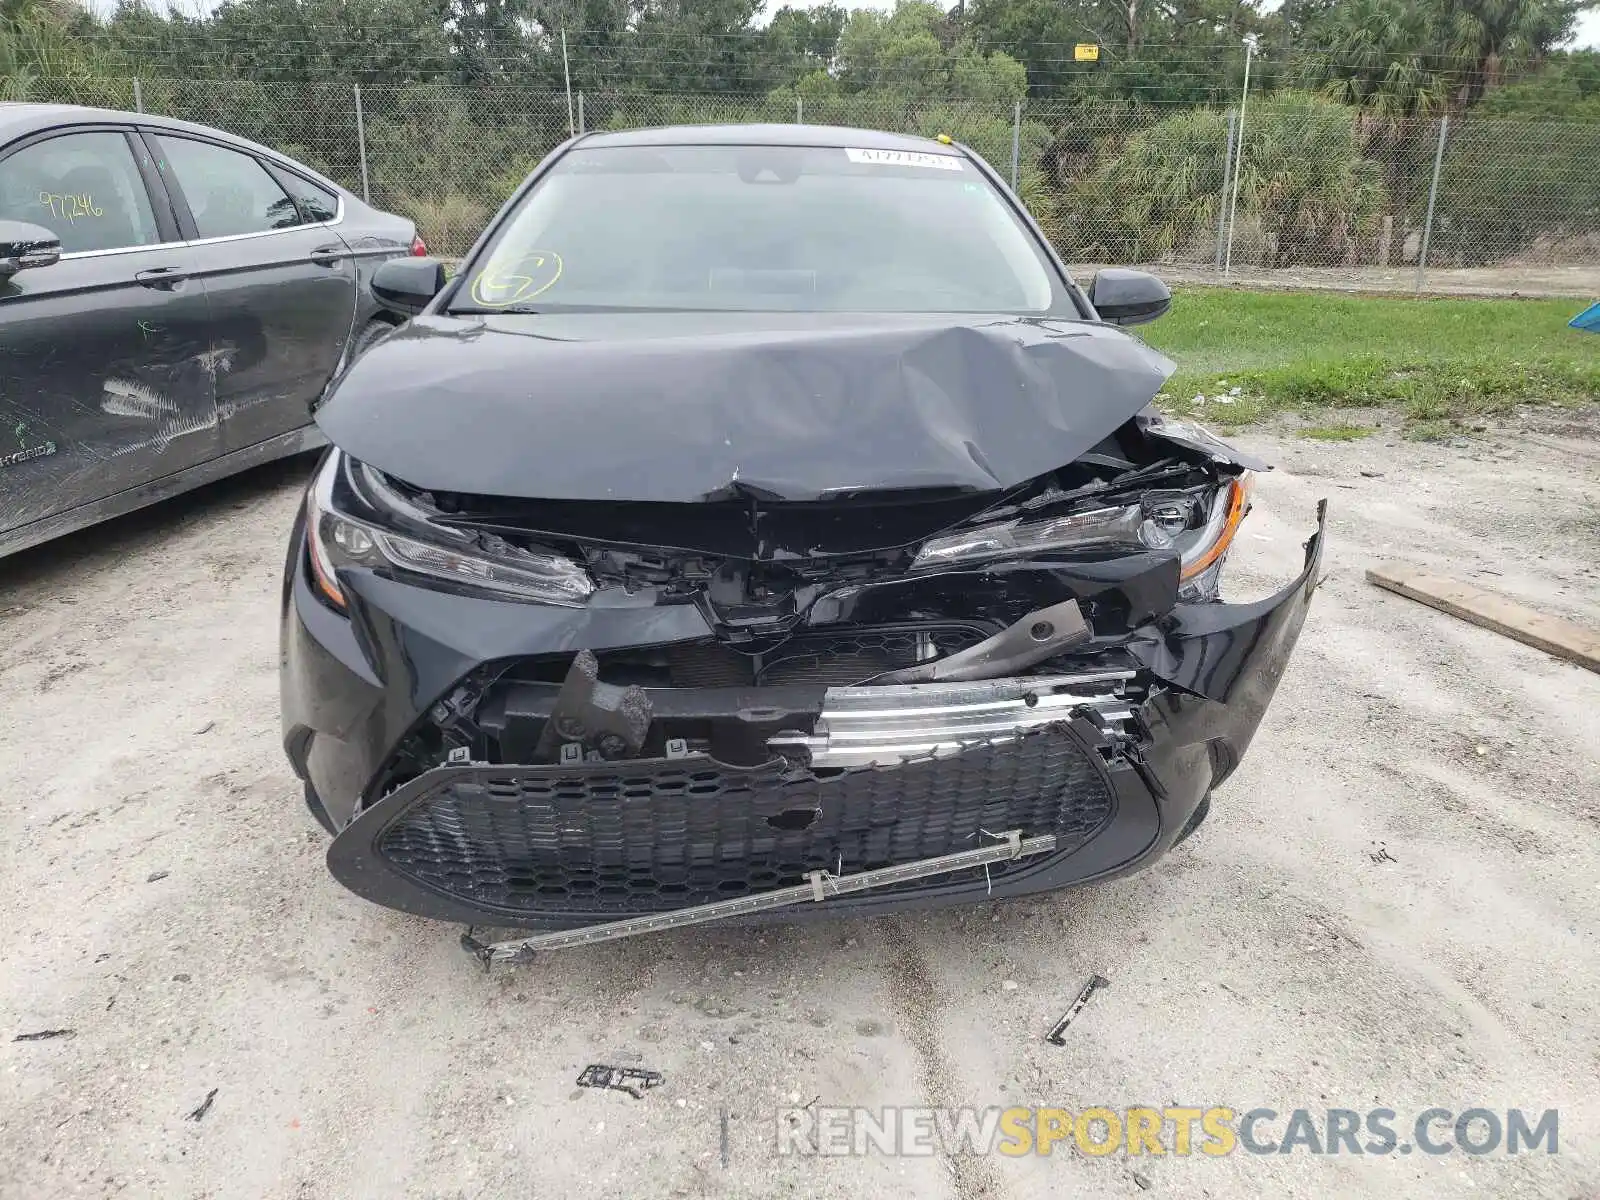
[531, 275]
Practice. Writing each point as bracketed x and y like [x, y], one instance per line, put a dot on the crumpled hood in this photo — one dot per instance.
[682, 407]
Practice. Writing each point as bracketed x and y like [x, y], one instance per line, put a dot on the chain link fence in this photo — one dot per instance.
[1291, 190]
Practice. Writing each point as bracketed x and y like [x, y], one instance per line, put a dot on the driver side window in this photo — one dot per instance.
[83, 187]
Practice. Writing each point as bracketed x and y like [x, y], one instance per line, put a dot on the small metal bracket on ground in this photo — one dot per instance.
[1057, 1034]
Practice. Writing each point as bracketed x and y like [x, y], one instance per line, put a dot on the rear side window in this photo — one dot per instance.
[228, 192]
[318, 204]
[83, 187]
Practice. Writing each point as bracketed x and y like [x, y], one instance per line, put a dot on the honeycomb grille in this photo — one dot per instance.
[619, 838]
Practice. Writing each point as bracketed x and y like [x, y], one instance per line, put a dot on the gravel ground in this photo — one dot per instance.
[1396, 902]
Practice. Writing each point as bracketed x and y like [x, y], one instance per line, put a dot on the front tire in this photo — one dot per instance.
[1199, 815]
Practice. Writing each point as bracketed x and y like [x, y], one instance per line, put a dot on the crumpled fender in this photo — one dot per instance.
[1232, 653]
[1221, 664]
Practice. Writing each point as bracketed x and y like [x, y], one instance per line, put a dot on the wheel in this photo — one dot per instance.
[1199, 815]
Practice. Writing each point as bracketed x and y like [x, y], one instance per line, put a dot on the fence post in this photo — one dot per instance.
[582, 128]
[566, 73]
[1016, 141]
[1238, 160]
[138, 96]
[361, 147]
[799, 110]
[1222, 200]
[1433, 195]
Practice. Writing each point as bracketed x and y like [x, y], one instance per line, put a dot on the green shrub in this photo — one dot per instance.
[1303, 181]
[1506, 184]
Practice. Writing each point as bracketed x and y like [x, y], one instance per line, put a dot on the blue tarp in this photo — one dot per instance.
[1588, 319]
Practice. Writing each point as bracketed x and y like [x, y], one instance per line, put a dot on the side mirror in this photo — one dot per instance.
[407, 284]
[1124, 297]
[24, 246]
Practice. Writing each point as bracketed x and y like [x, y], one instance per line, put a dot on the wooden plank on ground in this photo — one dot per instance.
[1550, 634]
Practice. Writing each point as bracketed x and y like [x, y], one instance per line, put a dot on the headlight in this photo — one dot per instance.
[1203, 552]
[336, 540]
[1199, 527]
[1012, 539]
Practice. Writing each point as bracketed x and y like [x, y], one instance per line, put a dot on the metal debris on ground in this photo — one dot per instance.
[44, 1035]
[1057, 1035]
[204, 1106]
[206, 728]
[633, 1080]
[156, 876]
[1381, 854]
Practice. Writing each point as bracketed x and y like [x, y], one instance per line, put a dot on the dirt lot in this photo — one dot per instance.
[1395, 902]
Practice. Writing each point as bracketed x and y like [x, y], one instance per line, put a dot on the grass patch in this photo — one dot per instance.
[1438, 361]
[1337, 432]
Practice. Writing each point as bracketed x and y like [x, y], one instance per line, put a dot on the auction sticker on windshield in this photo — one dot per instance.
[904, 158]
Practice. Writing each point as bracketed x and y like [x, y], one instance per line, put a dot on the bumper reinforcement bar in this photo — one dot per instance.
[820, 885]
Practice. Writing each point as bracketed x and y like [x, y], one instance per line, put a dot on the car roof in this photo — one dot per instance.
[18, 119]
[770, 135]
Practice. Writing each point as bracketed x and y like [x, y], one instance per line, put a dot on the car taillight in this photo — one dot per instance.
[419, 248]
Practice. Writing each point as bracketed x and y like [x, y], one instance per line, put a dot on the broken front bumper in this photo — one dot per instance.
[1112, 758]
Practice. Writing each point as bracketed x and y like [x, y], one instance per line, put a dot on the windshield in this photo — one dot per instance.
[762, 228]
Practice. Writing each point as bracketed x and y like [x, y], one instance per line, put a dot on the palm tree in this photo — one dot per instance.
[1403, 58]
[1486, 40]
[1376, 54]
[39, 40]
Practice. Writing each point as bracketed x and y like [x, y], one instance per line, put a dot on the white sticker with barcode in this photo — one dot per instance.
[904, 158]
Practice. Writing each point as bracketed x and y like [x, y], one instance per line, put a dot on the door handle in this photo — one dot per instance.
[328, 256]
[161, 278]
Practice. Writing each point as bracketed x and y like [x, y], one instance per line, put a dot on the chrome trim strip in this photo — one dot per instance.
[863, 726]
[261, 233]
[338, 218]
[907, 695]
[77, 254]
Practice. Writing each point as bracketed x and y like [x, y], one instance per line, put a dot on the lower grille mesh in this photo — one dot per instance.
[619, 838]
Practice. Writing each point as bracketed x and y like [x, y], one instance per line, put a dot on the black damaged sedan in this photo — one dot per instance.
[762, 516]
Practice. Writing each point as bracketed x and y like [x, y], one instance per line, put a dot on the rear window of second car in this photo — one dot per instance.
[318, 204]
[229, 192]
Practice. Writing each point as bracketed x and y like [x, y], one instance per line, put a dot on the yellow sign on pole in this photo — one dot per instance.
[1086, 52]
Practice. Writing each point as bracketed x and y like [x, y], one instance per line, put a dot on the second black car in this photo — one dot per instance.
[173, 300]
